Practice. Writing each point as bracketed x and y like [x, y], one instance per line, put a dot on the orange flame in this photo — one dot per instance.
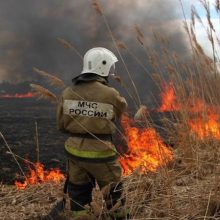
[168, 98]
[206, 127]
[17, 95]
[39, 175]
[146, 150]
[205, 123]
[203, 127]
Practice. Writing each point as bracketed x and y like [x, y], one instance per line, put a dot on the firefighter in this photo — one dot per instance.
[87, 111]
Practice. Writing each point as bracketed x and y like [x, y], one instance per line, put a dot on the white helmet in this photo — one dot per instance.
[98, 60]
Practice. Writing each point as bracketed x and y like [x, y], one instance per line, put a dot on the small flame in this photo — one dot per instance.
[168, 98]
[17, 95]
[206, 127]
[146, 150]
[39, 175]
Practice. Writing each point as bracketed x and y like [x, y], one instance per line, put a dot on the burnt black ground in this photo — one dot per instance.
[17, 123]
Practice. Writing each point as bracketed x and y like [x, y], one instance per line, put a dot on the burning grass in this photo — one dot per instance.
[146, 150]
[188, 187]
[38, 174]
[17, 96]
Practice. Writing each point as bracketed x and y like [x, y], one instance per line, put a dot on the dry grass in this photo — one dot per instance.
[43, 93]
[53, 80]
[31, 203]
[68, 45]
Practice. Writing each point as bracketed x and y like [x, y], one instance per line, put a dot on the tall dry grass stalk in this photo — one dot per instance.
[68, 45]
[217, 5]
[53, 80]
[13, 155]
[43, 93]
[97, 7]
[37, 142]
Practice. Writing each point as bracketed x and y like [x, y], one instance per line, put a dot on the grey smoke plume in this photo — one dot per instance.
[29, 28]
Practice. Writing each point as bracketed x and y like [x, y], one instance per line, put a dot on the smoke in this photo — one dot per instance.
[29, 29]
